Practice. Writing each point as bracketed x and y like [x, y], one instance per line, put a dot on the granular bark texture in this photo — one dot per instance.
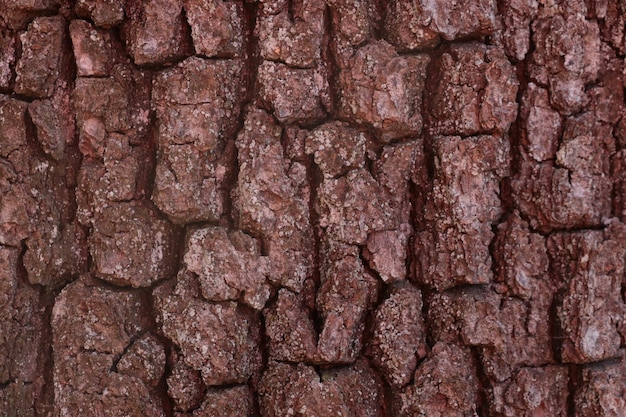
[313, 208]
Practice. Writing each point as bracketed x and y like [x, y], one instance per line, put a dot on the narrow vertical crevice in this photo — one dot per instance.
[575, 381]
[432, 81]
[484, 386]
[557, 336]
[17, 56]
[315, 179]
[382, 293]
[251, 61]
[253, 382]
[161, 388]
[45, 403]
[251, 52]
[617, 197]
[44, 396]
[73, 158]
[380, 14]
[330, 62]
[429, 331]
[6, 33]
[291, 11]
[421, 193]
[147, 175]
[187, 39]
[516, 130]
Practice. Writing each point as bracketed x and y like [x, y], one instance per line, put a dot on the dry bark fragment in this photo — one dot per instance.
[398, 340]
[56, 244]
[221, 340]
[19, 398]
[18, 13]
[130, 245]
[352, 206]
[92, 326]
[571, 186]
[398, 163]
[93, 49]
[453, 20]
[102, 105]
[53, 255]
[354, 23]
[476, 92]
[607, 95]
[611, 23]
[289, 389]
[295, 95]
[407, 25]
[358, 204]
[542, 124]
[217, 27]
[398, 166]
[386, 253]
[522, 262]
[115, 176]
[304, 198]
[566, 55]
[361, 388]
[291, 34]
[54, 124]
[35, 208]
[603, 390]
[619, 174]
[290, 330]
[118, 103]
[523, 265]
[293, 79]
[419, 24]
[155, 31]
[228, 402]
[286, 390]
[42, 59]
[184, 384]
[573, 190]
[197, 103]
[463, 204]
[382, 90]
[532, 391]
[336, 148]
[228, 266]
[444, 385]
[144, 359]
[592, 311]
[509, 333]
[517, 18]
[345, 294]
[104, 13]
[21, 327]
[272, 200]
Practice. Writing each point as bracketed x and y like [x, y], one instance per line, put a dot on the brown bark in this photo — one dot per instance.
[312, 208]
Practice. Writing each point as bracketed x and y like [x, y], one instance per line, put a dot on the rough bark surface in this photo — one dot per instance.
[356, 208]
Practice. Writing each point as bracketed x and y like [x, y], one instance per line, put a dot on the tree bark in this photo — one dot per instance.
[309, 208]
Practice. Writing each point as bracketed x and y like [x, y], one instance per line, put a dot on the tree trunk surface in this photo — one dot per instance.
[312, 208]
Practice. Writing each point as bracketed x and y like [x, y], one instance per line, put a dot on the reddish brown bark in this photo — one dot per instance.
[309, 208]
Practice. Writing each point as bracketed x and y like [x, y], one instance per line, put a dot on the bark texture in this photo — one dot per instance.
[312, 208]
